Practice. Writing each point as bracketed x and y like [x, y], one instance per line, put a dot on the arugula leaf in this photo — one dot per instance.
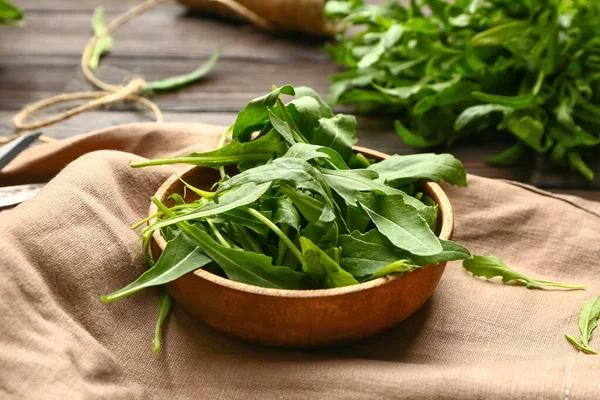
[322, 268]
[307, 152]
[9, 13]
[255, 114]
[286, 214]
[104, 43]
[175, 82]
[401, 170]
[293, 171]
[491, 266]
[259, 150]
[243, 195]
[402, 266]
[180, 257]
[491, 68]
[338, 133]
[587, 321]
[399, 223]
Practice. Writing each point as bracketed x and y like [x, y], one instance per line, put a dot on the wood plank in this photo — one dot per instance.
[164, 32]
[24, 79]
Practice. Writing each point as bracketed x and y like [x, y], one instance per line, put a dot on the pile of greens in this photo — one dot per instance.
[9, 13]
[530, 69]
[303, 210]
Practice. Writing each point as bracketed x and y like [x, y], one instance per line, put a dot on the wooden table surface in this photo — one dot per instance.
[42, 59]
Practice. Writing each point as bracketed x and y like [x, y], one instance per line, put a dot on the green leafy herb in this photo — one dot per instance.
[103, 42]
[491, 266]
[587, 321]
[303, 210]
[175, 82]
[9, 13]
[526, 69]
[180, 256]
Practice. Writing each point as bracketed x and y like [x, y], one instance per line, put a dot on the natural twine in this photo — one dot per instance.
[113, 93]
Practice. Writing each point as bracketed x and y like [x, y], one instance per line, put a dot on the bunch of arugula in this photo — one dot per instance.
[9, 13]
[305, 211]
[530, 69]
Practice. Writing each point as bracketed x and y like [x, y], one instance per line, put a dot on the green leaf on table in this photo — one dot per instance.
[292, 171]
[181, 256]
[499, 35]
[9, 13]
[509, 156]
[398, 221]
[516, 102]
[491, 266]
[473, 113]
[461, 92]
[578, 164]
[324, 270]
[414, 140]
[401, 170]
[165, 304]
[175, 82]
[103, 43]
[255, 114]
[587, 321]
[235, 153]
[529, 129]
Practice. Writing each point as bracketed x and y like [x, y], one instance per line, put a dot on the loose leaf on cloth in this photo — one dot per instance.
[587, 321]
[491, 266]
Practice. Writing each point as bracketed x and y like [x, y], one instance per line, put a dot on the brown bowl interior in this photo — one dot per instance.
[301, 318]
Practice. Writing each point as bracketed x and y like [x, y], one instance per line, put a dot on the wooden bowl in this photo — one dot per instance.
[301, 318]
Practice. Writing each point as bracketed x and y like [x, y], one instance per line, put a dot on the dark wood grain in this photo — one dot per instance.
[41, 60]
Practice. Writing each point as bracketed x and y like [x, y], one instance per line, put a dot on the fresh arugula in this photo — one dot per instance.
[587, 321]
[525, 69]
[491, 266]
[303, 210]
[9, 13]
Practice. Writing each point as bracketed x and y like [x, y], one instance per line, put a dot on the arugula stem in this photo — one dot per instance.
[202, 193]
[217, 233]
[282, 246]
[158, 214]
[363, 160]
[278, 232]
[560, 285]
[253, 243]
[571, 339]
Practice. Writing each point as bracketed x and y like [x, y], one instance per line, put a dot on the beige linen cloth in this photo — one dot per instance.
[474, 339]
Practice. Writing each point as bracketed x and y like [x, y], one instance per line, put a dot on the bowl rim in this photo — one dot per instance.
[446, 231]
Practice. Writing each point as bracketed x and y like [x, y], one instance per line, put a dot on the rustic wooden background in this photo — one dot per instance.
[42, 59]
